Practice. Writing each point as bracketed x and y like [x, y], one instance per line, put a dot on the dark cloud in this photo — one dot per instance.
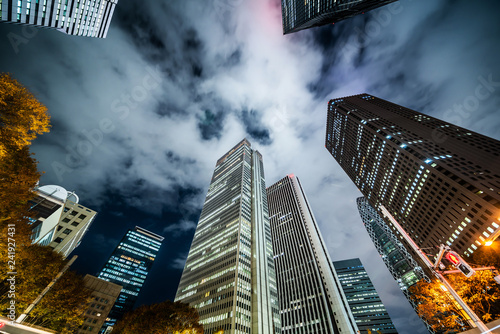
[210, 124]
[254, 127]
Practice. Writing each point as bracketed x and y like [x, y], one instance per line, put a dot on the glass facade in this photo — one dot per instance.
[365, 303]
[229, 273]
[438, 180]
[129, 266]
[396, 257]
[310, 296]
[303, 14]
[74, 17]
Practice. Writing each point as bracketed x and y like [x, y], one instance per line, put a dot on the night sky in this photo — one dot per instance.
[140, 118]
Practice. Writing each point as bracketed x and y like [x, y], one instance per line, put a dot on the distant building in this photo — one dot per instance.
[128, 266]
[103, 295]
[398, 259]
[299, 14]
[59, 221]
[229, 273]
[365, 303]
[310, 296]
[89, 18]
[439, 181]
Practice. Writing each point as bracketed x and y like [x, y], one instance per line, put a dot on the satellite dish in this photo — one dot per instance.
[54, 191]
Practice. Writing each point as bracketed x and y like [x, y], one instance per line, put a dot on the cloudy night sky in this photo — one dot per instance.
[140, 118]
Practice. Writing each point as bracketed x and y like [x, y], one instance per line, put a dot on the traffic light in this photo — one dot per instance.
[460, 264]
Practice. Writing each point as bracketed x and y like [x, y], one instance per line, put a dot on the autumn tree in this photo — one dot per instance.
[436, 307]
[18, 177]
[62, 308]
[480, 292]
[36, 267]
[163, 318]
[22, 116]
[487, 255]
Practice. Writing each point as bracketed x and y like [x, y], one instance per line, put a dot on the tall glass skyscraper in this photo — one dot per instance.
[129, 266]
[229, 273]
[310, 293]
[365, 303]
[73, 17]
[400, 262]
[438, 180]
[300, 14]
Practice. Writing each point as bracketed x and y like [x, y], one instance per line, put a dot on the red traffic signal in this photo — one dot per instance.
[453, 258]
[2, 324]
[460, 264]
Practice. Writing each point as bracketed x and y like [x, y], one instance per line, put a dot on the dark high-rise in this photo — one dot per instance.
[129, 266]
[89, 18]
[299, 14]
[229, 273]
[310, 293]
[439, 181]
[365, 303]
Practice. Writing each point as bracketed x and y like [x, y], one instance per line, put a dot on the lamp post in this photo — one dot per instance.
[476, 321]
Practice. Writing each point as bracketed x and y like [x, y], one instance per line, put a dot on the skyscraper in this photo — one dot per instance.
[73, 17]
[365, 303]
[438, 180]
[103, 296]
[310, 293]
[400, 262]
[59, 221]
[229, 273]
[128, 266]
[298, 15]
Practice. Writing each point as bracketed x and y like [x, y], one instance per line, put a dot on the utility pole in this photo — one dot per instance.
[47, 288]
[476, 321]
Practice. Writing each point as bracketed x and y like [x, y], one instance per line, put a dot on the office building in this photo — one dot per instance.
[310, 293]
[298, 15]
[103, 294]
[439, 181]
[128, 266]
[398, 259]
[365, 303]
[89, 18]
[59, 220]
[229, 273]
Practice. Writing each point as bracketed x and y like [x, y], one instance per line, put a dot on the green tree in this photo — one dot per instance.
[163, 318]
